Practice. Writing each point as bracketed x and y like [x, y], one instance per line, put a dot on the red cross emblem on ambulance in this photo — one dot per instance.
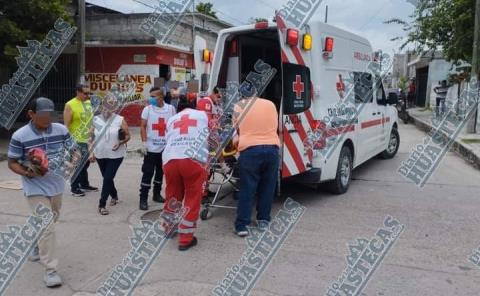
[298, 87]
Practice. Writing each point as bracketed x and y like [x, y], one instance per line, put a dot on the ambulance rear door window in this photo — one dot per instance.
[296, 88]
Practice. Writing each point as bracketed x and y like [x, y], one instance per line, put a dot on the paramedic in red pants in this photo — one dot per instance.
[258, 143]
[185, 172]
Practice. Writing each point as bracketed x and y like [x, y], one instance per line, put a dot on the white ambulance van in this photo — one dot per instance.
[307, 89]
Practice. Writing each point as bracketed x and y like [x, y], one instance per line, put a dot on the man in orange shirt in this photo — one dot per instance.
[258, 143]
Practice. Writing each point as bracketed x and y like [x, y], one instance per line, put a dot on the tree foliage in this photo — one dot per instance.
[207, 9]
[445, 25]
[22, 20]
[254, 20]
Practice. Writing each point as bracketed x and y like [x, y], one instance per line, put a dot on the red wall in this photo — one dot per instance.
[109, 59]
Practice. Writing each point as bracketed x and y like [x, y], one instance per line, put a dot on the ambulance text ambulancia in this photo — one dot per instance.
[323, 139]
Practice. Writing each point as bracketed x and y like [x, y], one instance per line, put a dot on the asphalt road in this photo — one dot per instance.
[430, 257]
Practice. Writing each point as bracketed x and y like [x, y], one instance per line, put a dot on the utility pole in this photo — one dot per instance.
[472, 125]
[81, 41]
[193, 24]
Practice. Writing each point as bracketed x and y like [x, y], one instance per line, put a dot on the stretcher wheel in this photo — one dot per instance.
[205, 214]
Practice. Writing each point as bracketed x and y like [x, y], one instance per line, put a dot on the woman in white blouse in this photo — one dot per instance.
[111, 134]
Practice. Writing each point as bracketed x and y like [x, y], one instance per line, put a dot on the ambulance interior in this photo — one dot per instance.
[243, 50]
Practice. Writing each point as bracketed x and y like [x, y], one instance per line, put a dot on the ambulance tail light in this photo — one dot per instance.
[307, 42]
[292, 37]
[261, 25]
[329, 44]
[206, 56]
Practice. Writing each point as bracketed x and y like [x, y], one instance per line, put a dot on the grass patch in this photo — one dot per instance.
[471, 141]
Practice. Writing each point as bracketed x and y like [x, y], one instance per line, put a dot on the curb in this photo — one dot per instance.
[463, 150]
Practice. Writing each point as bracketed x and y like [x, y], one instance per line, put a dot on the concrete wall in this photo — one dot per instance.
[125, 29]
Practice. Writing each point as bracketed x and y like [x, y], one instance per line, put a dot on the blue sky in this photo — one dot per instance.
[364, 17]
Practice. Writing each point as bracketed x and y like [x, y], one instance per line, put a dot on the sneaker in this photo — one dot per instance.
[263, 224]
[241, 233]
[158, 198]
[52, 279]
[89, 188]
[191, 244]
[78, 192]
[143, 206]
[34, 255]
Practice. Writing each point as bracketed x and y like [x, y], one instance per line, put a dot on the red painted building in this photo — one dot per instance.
[146, 61]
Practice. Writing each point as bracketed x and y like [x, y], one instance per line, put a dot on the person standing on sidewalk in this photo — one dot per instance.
[152, 131]
[411, 95]
[258, 143]
[77, 117]
[111, 134]
[441, 92]
[41, 187]
[185, 173]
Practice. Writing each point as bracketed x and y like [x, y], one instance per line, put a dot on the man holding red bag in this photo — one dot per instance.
[29, 152]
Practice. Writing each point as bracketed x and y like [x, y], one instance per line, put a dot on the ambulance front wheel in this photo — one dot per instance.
[393, 144]
[344, 172]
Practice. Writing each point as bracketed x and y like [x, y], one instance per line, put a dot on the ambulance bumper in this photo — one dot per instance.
[312, 176]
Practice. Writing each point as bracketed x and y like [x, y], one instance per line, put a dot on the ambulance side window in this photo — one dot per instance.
[363, 87]
[296, 88]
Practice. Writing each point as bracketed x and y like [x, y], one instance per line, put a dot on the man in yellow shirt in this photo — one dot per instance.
[258, 143]
[77, 117]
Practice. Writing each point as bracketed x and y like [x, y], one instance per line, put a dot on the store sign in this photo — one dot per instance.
[100, 83]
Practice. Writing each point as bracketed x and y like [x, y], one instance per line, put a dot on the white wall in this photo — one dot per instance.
[437, 71]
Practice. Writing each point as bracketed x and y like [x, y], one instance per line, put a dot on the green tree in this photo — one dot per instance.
[22, 20]
[402, 83]
[207, 9]
[445, 25]
[254, 20]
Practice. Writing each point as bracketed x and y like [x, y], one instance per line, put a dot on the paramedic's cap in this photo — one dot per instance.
[43, 105]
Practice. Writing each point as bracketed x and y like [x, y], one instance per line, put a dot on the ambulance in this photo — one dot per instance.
[308, 87]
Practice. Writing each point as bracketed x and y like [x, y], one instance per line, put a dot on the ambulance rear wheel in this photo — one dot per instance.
[344, 172]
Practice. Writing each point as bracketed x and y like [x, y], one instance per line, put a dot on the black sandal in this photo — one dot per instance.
[103, 211]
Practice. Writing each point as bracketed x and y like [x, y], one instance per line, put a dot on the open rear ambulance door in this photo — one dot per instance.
[296, 119]
[202, 68]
